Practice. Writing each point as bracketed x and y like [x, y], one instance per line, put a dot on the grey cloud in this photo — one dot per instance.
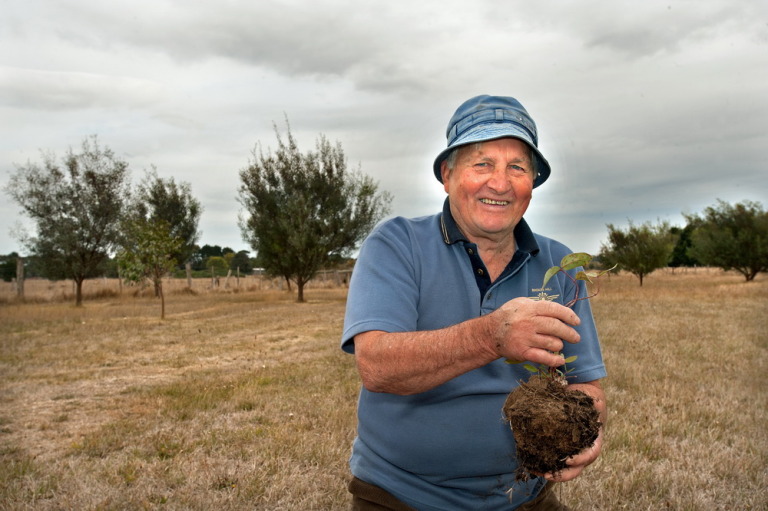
[56, 90]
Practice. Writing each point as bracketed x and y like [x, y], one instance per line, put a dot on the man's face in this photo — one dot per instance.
[490, 187]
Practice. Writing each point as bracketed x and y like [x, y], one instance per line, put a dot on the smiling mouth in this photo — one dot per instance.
[494, 202]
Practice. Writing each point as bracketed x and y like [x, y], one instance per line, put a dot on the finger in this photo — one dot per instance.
[588, 455]
[540, 356]
[548, 342]
[557, 311]
[566, 474]
[585, 457]
[555, 328]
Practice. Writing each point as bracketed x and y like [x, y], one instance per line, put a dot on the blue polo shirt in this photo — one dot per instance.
[449, 447]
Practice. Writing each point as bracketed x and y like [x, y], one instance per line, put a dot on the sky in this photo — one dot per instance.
[646, 111]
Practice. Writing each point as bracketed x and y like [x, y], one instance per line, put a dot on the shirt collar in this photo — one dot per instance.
[524, 237]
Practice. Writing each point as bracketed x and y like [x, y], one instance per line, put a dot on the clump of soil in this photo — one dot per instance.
[550, 423]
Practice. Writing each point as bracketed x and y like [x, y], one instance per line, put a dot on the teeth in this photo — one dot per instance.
[494, 202]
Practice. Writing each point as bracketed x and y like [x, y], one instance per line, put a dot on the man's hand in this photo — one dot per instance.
[525, 329]
[577, 463]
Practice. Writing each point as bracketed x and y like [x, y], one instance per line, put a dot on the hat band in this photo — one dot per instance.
[498, 115]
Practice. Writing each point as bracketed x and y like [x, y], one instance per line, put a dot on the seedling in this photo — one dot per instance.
[550, 420]
[569, 262]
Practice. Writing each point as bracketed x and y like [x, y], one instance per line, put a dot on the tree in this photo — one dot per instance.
[165, 200]
[8, 266]
[302, 210]
[732, 237]
[680, 254]
[147, 253]
[201, 255]
[217, 265]
[640, 249]
[76, 207]
[241, 262]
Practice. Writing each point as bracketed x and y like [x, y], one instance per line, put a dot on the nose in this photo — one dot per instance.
[499, 181]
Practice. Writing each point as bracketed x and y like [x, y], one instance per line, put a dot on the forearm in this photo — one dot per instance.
[413, 362]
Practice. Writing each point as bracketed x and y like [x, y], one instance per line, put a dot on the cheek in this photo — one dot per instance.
[524, 192]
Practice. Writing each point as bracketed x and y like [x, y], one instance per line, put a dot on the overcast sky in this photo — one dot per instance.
[646, 110]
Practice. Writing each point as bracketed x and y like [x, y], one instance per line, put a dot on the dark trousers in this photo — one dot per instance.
[367, 497]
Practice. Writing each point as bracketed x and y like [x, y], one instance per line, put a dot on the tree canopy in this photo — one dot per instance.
[163, 199]
[639, 250]
[304, 210]
[76, 206]
[732, 237]
[8, 266]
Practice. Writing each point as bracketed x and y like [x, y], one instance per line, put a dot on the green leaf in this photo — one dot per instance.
[571, 359]
[550, 273]
[508, 361]
[575, 260]
[586, 277]
[531, 368]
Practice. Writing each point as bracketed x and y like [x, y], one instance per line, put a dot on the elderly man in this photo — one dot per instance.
[436, 304]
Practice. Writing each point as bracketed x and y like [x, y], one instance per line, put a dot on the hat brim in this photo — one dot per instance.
[495, 131]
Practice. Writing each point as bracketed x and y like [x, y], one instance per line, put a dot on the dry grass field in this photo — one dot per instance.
[241, 398]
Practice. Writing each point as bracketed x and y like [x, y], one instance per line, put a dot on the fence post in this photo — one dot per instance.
[20, 277]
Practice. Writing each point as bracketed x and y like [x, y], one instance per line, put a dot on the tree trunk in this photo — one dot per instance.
[162, 299]
[300, 287]
[79, 292]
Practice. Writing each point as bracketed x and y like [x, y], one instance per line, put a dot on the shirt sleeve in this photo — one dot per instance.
[383, 292]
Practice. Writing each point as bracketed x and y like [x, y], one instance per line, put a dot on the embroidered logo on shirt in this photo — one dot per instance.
[541, 295]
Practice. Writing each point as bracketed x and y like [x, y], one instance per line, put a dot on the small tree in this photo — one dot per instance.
[148, 253]
[166, 200]
[217, 265]
[732, 237]
[76, 207]
[639, 250]
[303, 210]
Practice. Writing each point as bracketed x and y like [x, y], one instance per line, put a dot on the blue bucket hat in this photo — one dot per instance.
[484, 118]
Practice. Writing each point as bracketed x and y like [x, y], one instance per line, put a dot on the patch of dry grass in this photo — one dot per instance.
[686, 356]
[242, 400]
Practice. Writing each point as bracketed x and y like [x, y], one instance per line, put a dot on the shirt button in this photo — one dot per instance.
[470, 251]
[489, 295]
[480, 271]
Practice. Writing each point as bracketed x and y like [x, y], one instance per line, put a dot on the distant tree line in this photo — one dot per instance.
[303, 212]
[731, 237]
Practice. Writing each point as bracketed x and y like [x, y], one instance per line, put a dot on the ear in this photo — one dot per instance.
[445, 173]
